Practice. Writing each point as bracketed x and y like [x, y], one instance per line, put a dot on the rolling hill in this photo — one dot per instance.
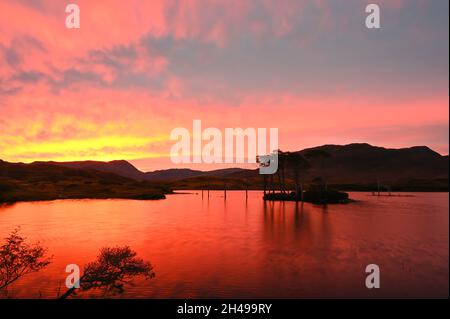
[351, 167]
[363, 163]
[47, 181]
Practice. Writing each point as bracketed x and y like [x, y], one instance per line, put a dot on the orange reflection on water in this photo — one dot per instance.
[246, 248]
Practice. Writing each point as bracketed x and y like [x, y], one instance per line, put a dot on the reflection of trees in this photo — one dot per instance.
[286, 223]
[18, 258]
[113, 268]
[275, 222]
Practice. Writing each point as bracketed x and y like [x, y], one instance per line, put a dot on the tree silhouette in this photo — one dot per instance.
[297, 163]
[319, 155]
[293, 163]
[17, 259]
[113, 268]
[281, 172]
[262, 162]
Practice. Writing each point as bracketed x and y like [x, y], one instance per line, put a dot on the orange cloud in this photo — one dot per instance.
[134, 71]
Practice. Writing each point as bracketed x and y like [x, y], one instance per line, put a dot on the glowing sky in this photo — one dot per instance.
[115, 88]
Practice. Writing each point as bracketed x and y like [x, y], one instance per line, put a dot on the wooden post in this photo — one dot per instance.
[378, 187]
[225, 189]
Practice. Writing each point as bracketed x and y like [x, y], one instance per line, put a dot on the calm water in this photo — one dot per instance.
[247, 249]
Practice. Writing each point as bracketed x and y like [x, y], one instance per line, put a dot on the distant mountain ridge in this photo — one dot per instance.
[174, 174]
[119, 167]
[357, 163]
[126, 169]
[344, 167]
[47, 181]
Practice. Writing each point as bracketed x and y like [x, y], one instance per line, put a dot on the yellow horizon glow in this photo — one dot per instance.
[103, 148]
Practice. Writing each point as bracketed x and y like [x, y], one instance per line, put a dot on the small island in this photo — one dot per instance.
[290, 186]
[314, 195]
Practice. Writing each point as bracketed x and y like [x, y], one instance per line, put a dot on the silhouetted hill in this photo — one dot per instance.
[121, 167]
[126, 169]
[178, 174]
[364, 163]
[172, 174]
[47, 181]
[352, 166]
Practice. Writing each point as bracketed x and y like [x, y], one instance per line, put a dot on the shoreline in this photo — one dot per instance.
[198, 192]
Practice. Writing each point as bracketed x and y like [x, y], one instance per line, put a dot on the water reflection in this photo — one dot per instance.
[4, 206]
[296, 223]
[243, 247]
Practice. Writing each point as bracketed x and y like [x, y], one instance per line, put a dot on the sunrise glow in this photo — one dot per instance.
[116, 87]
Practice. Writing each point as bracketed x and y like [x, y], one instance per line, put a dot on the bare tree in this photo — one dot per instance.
[263, 163]
[281, 172]
[320, 156]
[17, 259]
[266, 161]
[297, 163]
[113, 268]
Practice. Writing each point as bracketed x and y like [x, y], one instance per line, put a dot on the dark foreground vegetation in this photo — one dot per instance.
[114, 268]
[27, 182]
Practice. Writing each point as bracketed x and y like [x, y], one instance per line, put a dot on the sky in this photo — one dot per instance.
[135, 70]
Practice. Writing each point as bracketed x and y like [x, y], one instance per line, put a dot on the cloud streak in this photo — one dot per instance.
[139, 69]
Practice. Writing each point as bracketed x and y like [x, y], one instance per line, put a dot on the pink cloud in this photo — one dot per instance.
[103, 93]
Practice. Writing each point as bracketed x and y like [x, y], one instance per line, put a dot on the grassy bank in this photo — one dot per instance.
[19, 182]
